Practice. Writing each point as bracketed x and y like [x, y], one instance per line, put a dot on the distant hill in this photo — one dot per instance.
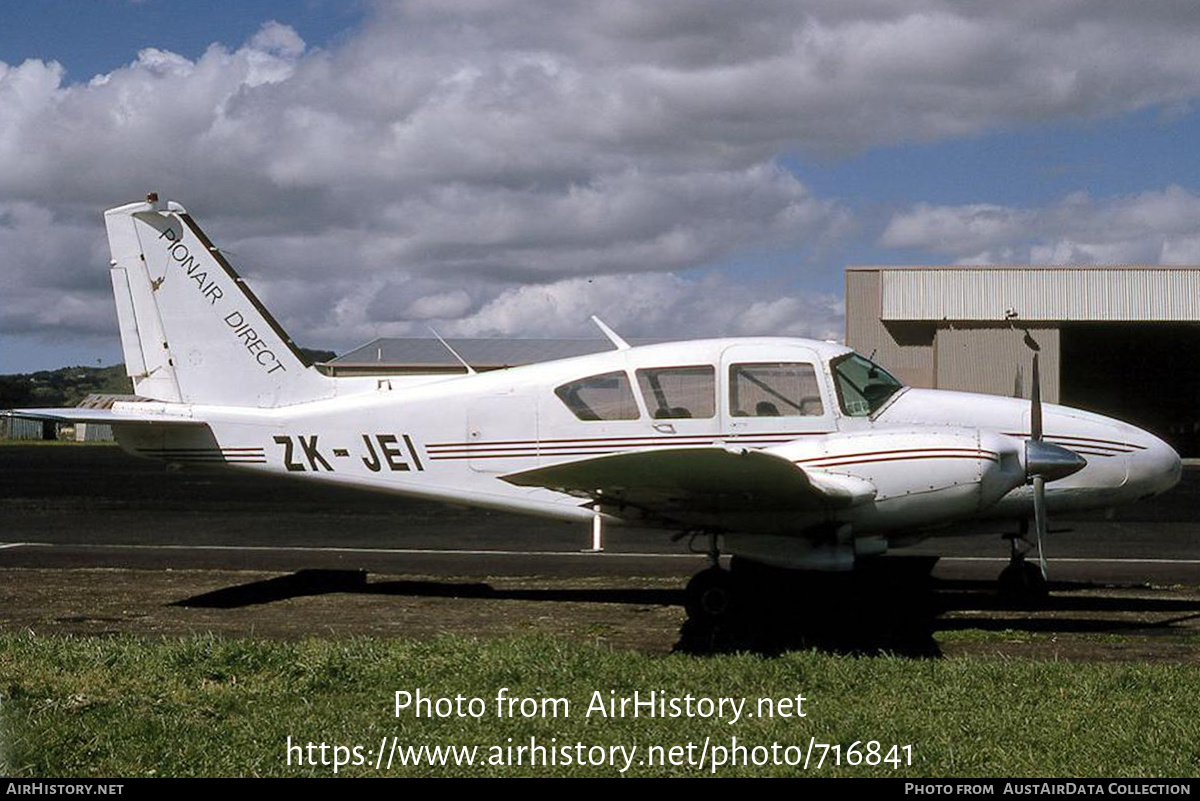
[67, 386]
[315, 355]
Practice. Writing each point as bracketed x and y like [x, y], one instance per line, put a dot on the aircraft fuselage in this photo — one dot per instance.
[933, 457]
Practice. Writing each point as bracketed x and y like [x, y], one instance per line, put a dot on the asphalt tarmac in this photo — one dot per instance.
[95, 541]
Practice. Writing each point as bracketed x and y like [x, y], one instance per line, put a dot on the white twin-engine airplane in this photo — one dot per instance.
[787, 452]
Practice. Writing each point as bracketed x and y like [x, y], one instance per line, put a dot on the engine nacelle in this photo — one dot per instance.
[923, 476]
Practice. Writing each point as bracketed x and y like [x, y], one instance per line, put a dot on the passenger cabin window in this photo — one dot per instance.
[776, 389]
[600, 397]
[863, 386]
[675, 393]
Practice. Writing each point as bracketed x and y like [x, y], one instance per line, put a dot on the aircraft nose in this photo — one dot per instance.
[1155, 468]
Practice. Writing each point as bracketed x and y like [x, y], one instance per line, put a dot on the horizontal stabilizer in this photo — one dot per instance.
[103, 416]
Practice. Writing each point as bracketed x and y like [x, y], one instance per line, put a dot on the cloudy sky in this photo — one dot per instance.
[504, 168]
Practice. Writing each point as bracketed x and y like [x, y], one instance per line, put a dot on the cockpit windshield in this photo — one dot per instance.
[863, 386]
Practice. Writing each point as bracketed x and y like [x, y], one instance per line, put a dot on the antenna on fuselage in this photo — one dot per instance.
[612, 335]
[453, 352]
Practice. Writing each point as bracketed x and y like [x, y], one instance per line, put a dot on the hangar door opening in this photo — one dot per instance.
[1147, 374]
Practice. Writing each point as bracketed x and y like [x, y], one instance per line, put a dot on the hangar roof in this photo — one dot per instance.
[1144, 293]
[412, 355]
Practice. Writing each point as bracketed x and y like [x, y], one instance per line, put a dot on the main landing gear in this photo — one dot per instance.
[884, 605]
[711, 596]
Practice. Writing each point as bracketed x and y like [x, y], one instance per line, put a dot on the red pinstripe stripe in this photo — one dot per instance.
[970, 452]
[1095, 443]
[583, 441]
[911, 457]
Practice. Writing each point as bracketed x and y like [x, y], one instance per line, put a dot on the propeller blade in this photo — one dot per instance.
[1039, 517]
[1035, 404]
[1042, 459]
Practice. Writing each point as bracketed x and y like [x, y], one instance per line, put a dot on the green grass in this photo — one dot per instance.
[213, 707]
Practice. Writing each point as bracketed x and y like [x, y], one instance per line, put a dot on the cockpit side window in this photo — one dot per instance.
[607, 396]
[673, 393]
[863, 386]
[774, 389]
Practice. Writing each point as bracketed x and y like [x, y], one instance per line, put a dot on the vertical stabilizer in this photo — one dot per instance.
[191, 329]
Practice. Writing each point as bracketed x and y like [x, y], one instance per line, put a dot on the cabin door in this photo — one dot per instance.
[502, 434]
[774, 393]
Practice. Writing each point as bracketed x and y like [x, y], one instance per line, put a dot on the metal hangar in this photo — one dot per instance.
[1122, 341]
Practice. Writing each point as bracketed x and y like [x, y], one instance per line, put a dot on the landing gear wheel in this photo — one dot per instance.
[711, 596]
[1023, 582]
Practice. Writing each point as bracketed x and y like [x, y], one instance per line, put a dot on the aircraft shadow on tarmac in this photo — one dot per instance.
[896, 613]
[323, 582]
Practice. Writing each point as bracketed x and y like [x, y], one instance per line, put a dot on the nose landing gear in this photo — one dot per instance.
[1022, 581]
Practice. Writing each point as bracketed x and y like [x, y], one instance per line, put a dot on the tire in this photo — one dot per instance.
[711, 596]
[1023, 582]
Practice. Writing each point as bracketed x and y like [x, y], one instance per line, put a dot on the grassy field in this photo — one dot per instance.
[203, 706]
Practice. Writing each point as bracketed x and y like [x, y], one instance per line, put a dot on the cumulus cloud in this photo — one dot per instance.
[654, 305]
[1154, 227]
[955, 228]
[477, 162]
[55, 275]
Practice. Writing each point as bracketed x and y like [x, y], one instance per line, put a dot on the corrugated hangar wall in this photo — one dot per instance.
[982, 358]
[906, 350]
[1120, 341]
[970, 357]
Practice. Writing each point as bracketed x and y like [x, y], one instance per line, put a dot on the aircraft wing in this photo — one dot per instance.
[696, 486]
